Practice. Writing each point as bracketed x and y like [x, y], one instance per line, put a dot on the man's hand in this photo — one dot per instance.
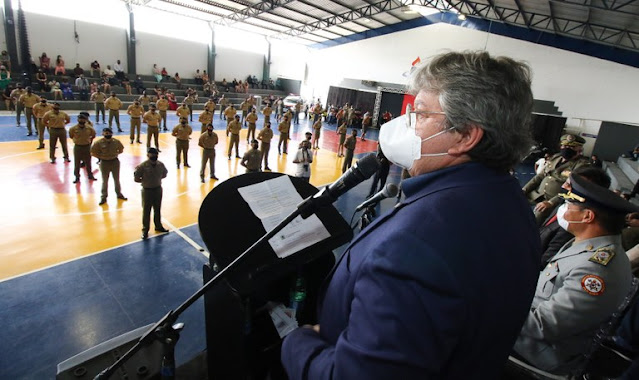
[315, 328]
[542, 206]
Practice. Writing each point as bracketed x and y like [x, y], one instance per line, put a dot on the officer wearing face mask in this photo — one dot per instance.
[411, 298]
[82, 136]
[583, 284]
[252, 159]
[543, 188]
[107, 149]
[182, 133]
[150, 174]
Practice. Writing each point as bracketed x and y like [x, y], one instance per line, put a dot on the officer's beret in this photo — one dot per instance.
[590, 194]
[152, 151]
[572, 140]
[81, 116]
[107, 129]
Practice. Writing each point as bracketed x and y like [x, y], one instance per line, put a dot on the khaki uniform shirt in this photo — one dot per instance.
[206, 118]
[210, 105]
[135, 111]
[162, 104]
[230, 112]
[29, 100]
[107, 149]
[150, 174]
[298, 107]
[182, 132]
[341, 130]
[145, 100]
[53, 120]
[284, 127]
[113, 103]
[252, 159]
[189, 100]
[82, 135]
[234, 127]
[265, 135]
[350, 143]
[267, 111]
[251, 118]
[208, 141]
[17, 93]
[318, 125]
[98, 97]
[182, 111]
[245, 106]
[152, 119]
[39, 110]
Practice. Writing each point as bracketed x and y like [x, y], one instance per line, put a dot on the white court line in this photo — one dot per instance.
[19, 154]
[186, 238]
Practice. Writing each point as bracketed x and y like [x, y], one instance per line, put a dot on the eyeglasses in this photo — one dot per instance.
[411, 116]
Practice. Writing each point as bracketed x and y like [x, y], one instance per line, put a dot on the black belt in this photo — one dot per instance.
[209, 148]
[135, 117]
[113, 159]
[82, 145]
[151, 188]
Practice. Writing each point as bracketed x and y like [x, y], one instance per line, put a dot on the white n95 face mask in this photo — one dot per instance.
[400, 143]
[563, 223]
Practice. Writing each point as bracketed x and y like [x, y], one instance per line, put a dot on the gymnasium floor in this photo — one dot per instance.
[74, 274]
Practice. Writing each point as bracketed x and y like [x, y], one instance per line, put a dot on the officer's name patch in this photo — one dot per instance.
[593, 285]
[602, 256]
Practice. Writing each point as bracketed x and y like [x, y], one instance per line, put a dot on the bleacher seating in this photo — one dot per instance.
[623, 175]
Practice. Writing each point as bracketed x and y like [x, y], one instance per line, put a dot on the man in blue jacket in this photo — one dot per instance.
[439, 287]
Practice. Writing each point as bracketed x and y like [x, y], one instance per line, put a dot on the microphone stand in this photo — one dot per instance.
[368, 216]
[168, 334]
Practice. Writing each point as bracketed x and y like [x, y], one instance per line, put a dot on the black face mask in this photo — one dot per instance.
[108, 136]
[153, 158]
[82, 123]
[567, 153]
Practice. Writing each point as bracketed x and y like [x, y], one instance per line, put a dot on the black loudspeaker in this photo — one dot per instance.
[145, 364]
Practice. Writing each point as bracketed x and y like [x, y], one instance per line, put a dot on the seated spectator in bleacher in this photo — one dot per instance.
[178, 80]
[198, 77]
[82, 84]
[271, 84]
[5, 77]
[225, 85]
[95, 66]
[139, 85]
[595, 161]
[157, 73]
[55, 89]
[59, 66]
[5, 60]
[165, 74]
[126, 83]
[109, 74]
[77, 71]
[583, 284]
[45, 62]
[67, 90]
[119, 70]
[106, 86]
[264, 84]
[94, 87]
[205, 77]
[245, 87]
[234, 84]
[255, 83]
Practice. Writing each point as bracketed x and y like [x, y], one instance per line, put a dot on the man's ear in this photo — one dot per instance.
[467, 140]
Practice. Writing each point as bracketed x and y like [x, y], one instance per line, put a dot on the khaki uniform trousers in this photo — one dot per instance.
[56, 134]
[235, 140]
[19, 109]
[155, 132]
[151, 199]
[265, 147]
[135, 128]
[251, 131]
[114, 114]
[208, 155]
[182, 147]
[28, 113]
[110, 167]
[41, 128]
[283, 141]
[163, 114]
[99, 107]
[348, 160]
[82, 153]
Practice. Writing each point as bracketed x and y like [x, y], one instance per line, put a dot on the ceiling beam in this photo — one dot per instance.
[523, 14]
[246, 13]
[605, 5]
[552, 16]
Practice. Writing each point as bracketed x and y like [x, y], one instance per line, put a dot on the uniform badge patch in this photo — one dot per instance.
[593, 285]
[602, 256]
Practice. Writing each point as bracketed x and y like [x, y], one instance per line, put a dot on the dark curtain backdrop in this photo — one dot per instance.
[615, 139]
[547, 131]
[392, 103]
[360, 100]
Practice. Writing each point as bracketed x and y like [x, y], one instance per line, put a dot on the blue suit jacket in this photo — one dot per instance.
[436, 289]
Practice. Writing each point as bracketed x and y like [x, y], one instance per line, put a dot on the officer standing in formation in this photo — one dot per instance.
[265, 136]
[224, 102]
[283, 128]
[349, 144]
[28, 100]
[55, 120]
[15, 95]
[267, 111]
[210, 106]
[149, 174]
[82, 136]
[182, 111]
[251, 119]
[145, 101]
[114, 104]
[182, 133]
[38, 111]
[543, 188]
[208, 141]
[162, 106]
[136, 111]
[206, 118]
[233, 129]
[229, 113]
[317, 131]
[107, 149]
[252, 159]
[98, 97]
[583, 284]
[152, 120]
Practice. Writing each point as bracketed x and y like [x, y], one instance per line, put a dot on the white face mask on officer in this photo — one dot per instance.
[563, 223]
[400, 142]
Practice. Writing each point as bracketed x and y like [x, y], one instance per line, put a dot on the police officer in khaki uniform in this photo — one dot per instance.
[150, 174]
[152, 120]
[182, 111]
[146, 100]
[15, 95]
[296, 114]
[210, 105]
[82, 135]
[341, 131]
[56, 120]
[265, 136]
[224, 102]
[182, 133]
[114, 104]
[283, 128]
[583, 284]
[544, 187]
[136, 111]
[208, 141]
[251, 119]
[206, 118]
[244, 106]
[28, 100]
[317, 131]
[39, 109]
[349, 144]
[267, 111]
[99, 97]
[252, 159]
[107, 149]
[162, 106]
[189, 100]
[234, 128]
[230, 113]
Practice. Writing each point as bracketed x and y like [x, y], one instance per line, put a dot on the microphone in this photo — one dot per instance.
[358, 173]
[389, 191]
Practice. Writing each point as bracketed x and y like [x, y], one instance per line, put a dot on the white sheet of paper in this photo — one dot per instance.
[271, 201]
